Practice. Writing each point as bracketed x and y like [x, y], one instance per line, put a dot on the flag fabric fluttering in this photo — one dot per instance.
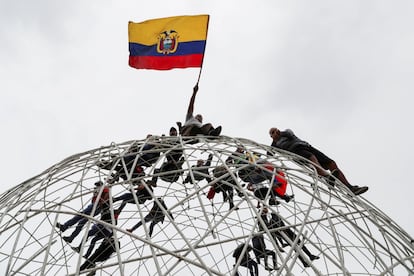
[167, 43]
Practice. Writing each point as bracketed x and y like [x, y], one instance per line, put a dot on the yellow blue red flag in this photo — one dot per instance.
[167, 43]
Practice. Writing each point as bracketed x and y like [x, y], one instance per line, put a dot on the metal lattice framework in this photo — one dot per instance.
[198, 235]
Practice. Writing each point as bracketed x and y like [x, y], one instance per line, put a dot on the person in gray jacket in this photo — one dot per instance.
[194, 124]
[287, 140]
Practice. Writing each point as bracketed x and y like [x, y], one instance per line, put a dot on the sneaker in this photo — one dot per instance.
[358, 190]
[215, 132]
[61, 227]
[330, 180]
[313, 257]
[67, 239]
[153, 181]
[273, 202]
[288, 198]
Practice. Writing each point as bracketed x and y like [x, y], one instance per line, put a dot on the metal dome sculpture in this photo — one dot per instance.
[188, 227]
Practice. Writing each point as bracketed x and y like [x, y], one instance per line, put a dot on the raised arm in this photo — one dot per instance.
[191, 105]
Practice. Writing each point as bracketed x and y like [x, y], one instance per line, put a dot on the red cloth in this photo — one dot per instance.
[211, 193]
[280, 183]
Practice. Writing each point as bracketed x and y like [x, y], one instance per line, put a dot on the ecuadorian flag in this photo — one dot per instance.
[167, 43]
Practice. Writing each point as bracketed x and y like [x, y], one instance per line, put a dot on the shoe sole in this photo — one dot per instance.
[360, 190]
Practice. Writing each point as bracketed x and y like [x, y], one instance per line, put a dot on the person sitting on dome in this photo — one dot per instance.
[287, 140]
[199, 171]
[155, 215]
[194, 124]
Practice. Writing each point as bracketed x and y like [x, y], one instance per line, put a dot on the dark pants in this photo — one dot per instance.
[81, 220]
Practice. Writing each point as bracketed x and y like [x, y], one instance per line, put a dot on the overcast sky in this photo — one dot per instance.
[338, 73]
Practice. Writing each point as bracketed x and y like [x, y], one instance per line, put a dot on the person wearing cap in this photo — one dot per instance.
[194, 124]
[287, 140]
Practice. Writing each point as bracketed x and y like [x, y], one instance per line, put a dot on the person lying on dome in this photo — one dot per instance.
[287, 140]
[155, 215]
[200, 171]
[194, 124]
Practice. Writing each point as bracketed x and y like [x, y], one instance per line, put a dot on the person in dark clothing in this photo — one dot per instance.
[194, 124]
[99, 197]
[101, 254]
[277, 222]
[155, 215]
[260, 251]
[200, 171]
[287, 140]
[225, 185]
[246, 260]
[279, 183]
[175, 154]
[99, 231]
[143, 193]
[171, 170]
[133, 161]
[266, 222]
[259, 245]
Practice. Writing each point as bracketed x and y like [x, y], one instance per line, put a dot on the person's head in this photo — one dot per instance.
[265, 210]
[98, 183]
[173, 131]
[199, 118]
[200, 162]
[274, 133]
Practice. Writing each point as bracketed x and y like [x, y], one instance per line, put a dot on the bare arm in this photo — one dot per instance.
[191, 105]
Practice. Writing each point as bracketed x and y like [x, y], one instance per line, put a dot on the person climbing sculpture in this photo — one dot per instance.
[100, 196]
[200, 171]
[193, 125]
[246, 260]
[286, 236]
[287, 140]
[155, 215]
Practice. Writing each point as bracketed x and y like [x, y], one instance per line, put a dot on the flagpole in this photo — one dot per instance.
[202, 60]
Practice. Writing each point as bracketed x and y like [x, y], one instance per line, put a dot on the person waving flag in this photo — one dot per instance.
[167, 43]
